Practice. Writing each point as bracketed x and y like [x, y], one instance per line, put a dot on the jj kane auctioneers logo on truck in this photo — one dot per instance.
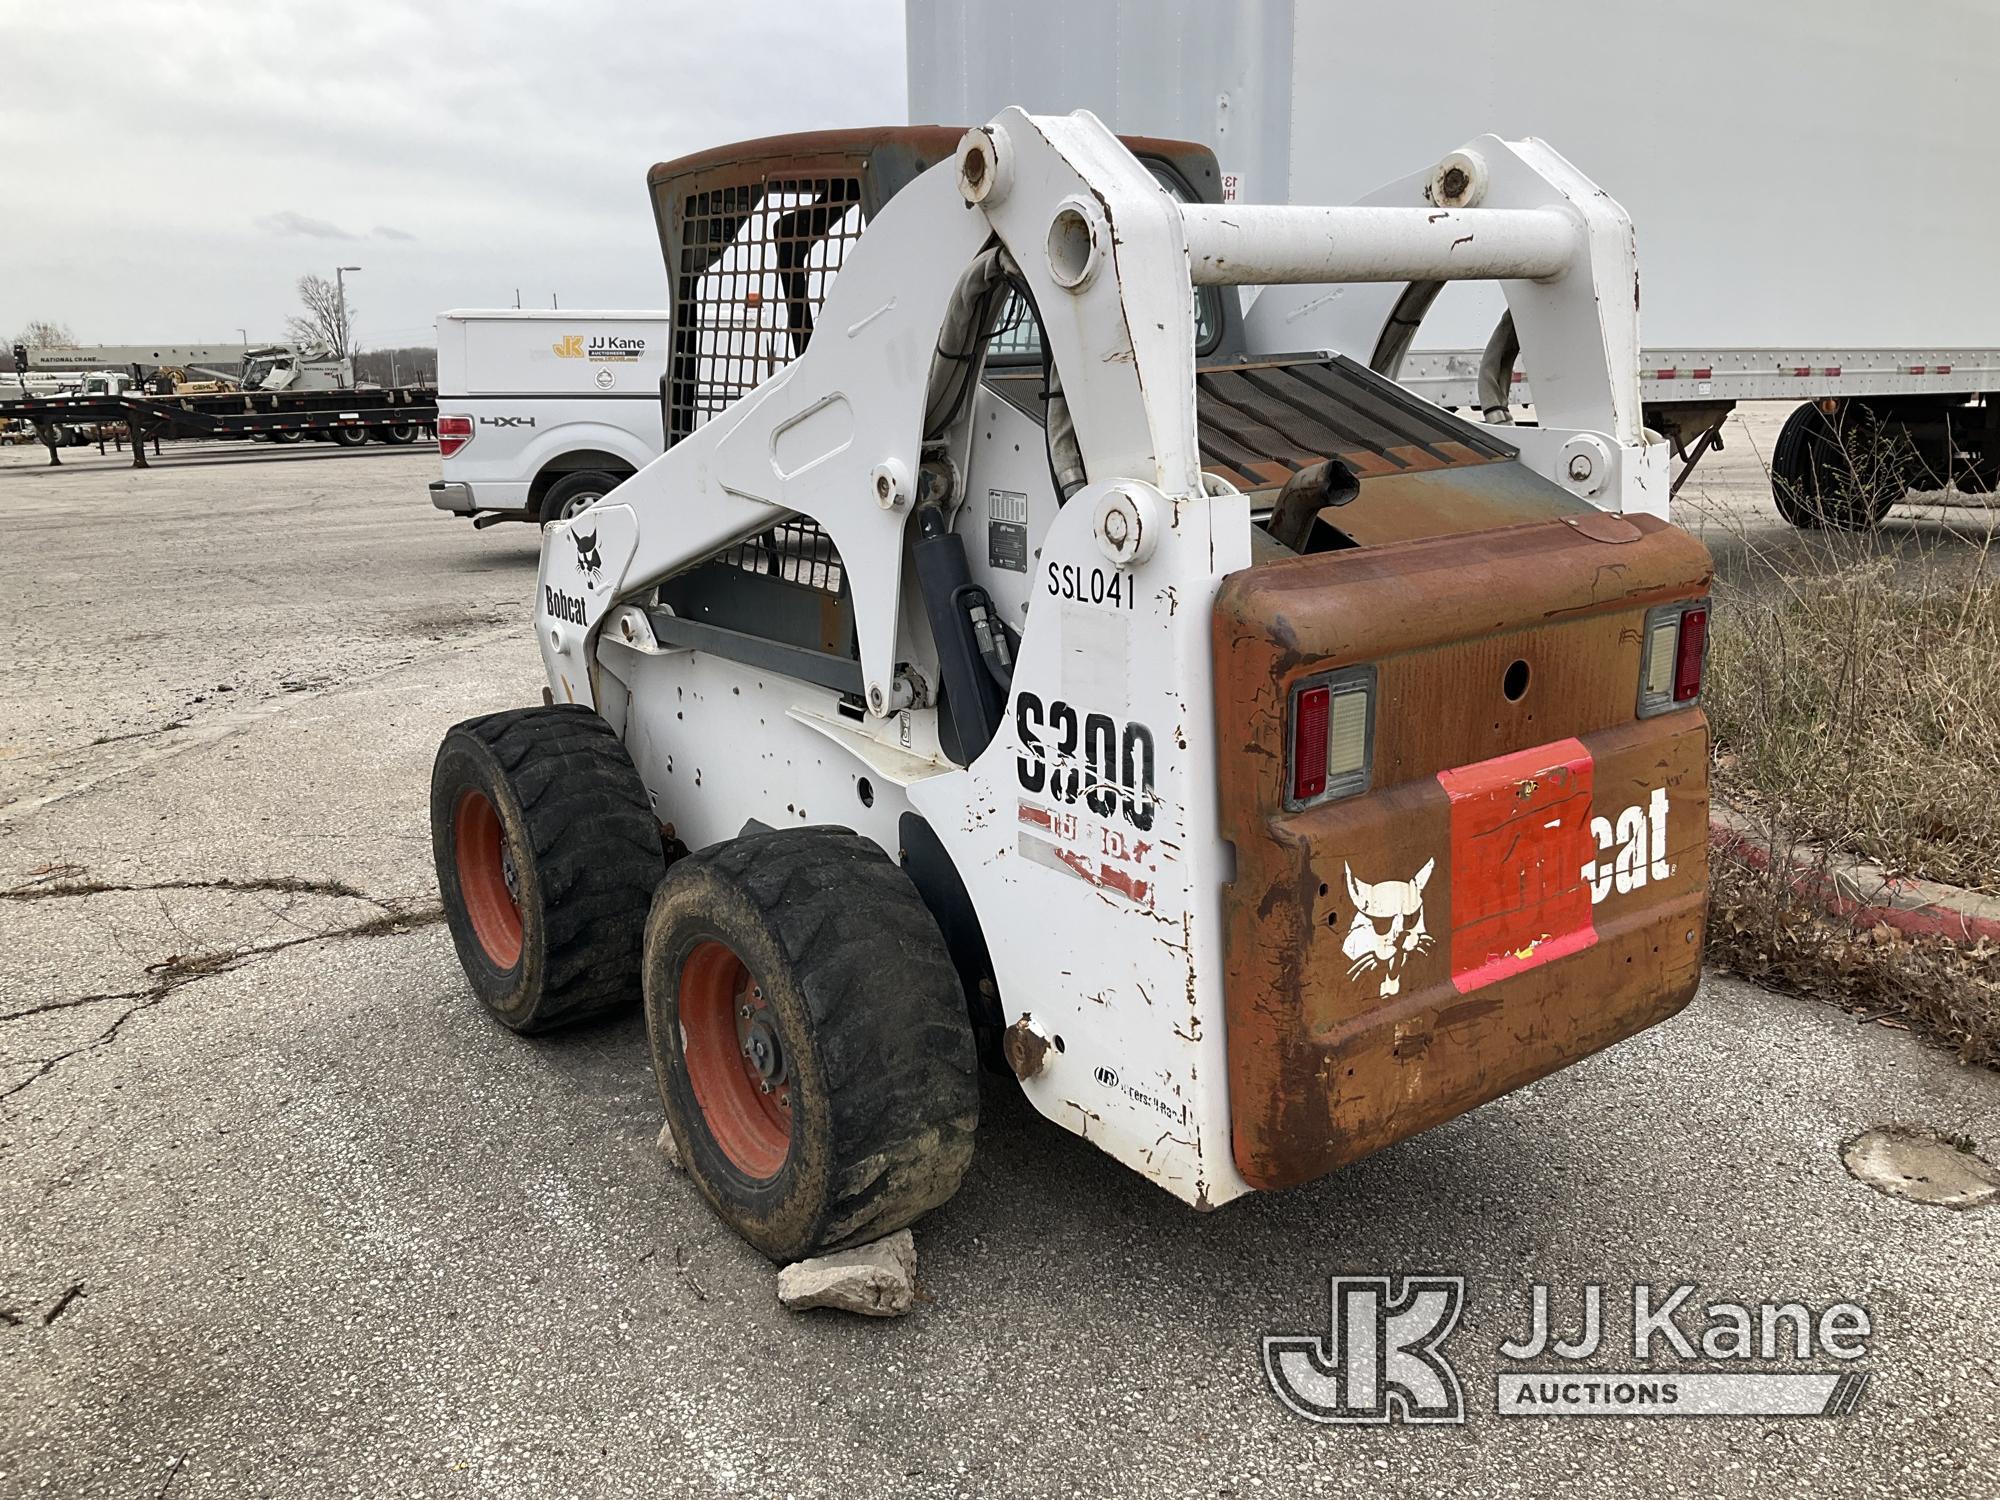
[1383, 1358]
[599, 348]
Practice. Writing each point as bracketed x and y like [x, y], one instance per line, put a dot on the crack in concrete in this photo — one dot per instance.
[286, 884]
[179, 970]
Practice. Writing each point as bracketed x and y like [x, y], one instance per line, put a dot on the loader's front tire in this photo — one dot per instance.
[547, 855]
[810, 1039]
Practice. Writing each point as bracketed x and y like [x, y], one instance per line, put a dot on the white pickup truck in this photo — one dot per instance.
[542, 412]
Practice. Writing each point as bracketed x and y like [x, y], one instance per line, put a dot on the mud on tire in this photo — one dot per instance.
[805, 960]
[547, 855]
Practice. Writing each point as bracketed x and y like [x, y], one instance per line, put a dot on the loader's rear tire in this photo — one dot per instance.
[547, 854]
[573, 492]
[810, 1039]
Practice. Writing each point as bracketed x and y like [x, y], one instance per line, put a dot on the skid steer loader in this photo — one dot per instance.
[1266, 764]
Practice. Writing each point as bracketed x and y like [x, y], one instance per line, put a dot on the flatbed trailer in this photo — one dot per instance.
[398, 414]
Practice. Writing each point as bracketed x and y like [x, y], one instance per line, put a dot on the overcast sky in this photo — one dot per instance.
[173, 166]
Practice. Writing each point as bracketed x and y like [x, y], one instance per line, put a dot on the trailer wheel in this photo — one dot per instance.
[284, 434]
[403, 433]
[809, 1038]
[573, 492]
[547, 853]
[1836, 470]
[348, 437]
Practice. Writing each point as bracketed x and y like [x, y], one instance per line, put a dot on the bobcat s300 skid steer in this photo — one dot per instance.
[1266, 764]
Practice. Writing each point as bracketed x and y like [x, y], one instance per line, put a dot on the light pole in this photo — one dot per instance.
[340, 298]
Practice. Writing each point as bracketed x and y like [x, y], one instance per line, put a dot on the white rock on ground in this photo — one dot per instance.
[878, 1280]
[671, 1148]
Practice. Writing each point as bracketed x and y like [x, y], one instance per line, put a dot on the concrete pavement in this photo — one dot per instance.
[282, 1213]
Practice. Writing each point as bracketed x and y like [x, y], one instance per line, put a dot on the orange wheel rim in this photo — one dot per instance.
[487, 879]
[736, 1062]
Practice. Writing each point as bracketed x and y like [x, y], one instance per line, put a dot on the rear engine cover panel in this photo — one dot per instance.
[1525, 882]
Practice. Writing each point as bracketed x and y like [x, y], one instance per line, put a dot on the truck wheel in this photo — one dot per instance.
[573, 492]
[1836, 471]
[284, 434]
[405, 433]
[348, 437]
[810, 1039]
[547, 852]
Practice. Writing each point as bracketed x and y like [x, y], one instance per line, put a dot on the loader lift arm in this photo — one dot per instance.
[1112, 261]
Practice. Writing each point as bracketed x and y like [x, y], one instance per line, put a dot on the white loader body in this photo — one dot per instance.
[1087, 831]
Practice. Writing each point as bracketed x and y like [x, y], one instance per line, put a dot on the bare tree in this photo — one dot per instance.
[325, 321]
[43, 333]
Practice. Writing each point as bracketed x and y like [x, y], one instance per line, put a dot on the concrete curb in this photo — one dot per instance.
[1860, 893]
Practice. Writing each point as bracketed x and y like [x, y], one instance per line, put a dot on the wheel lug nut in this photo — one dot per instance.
[764, 1088]
[744, 1012]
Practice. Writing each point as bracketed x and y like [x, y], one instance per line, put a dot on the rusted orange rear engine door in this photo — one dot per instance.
[1517, 877]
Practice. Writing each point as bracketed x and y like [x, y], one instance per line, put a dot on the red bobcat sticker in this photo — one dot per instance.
[1520, 838]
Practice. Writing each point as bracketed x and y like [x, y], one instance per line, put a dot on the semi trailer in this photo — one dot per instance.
[1796, 172]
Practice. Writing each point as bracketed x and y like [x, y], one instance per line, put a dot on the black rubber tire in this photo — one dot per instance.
[347, 437]
[871, 1019]
[285, 434]
[585, 485]
[1827, 470]
[586, 856]
[396, 436]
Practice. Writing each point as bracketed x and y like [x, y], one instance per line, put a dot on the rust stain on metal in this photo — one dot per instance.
[1328, 1063]
[1026, 1049]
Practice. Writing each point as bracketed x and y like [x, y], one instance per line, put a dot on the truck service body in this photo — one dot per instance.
[533, 399]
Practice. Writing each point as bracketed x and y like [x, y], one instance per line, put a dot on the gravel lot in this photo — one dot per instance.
[281, 1213]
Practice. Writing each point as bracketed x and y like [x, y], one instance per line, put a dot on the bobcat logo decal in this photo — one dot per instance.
[1388, 926]
[587, 556]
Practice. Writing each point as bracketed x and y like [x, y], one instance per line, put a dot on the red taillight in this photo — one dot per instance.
[453, 434]
[1689, 654]
[1309, 724]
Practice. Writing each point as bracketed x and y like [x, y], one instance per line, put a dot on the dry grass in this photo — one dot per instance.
[1854, 690]
[1759, 926]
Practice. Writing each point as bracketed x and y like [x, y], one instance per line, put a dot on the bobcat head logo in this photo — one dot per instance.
[1388, 926]
[587, 556]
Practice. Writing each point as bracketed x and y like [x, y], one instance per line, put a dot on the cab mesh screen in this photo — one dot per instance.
[756, 261]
